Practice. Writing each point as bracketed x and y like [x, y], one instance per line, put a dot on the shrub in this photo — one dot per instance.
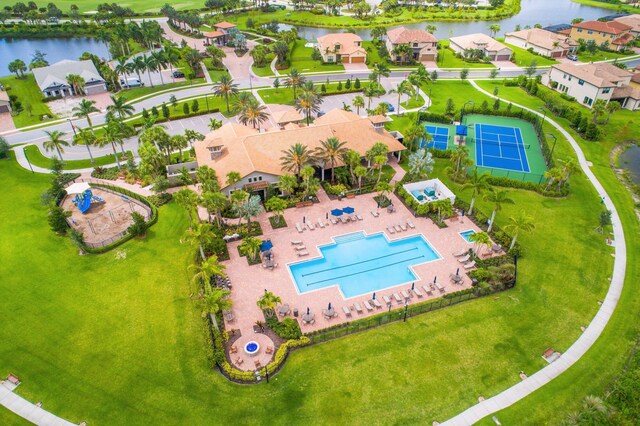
[161, 199]
[287, 329]
[58, 219]
[139, 227]
[336, 189]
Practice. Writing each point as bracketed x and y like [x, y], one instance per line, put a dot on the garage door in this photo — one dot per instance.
[345, 59]
[357, 60]
[4, 108]
[430, 57]
[557, 54]
[502, 58]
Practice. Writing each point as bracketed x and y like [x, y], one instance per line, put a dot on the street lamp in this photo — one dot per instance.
[555, 140]
[463, 109]
[406, 307]
[543, 118]
[72, 127]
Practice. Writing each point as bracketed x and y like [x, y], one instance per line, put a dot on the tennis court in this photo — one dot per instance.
[501, 147]
[440, 135]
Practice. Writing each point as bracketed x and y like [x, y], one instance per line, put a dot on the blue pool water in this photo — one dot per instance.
[361, 264]
[467, 234]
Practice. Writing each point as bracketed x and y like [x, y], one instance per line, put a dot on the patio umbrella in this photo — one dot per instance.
[434, 279]
[374, 295]
[413, 286]
[308, 310]
[304, 219]
[329, 308]
[348, 210]
[458, 271]
[336, 212]
[266, 245]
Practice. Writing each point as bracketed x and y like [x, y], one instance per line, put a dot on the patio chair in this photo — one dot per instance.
[464, 259]
[358, 216]
[346, 311]
[299, 228]
[439, 287]
[296, 242]
[417, 292]
[233, 349]
[357, 307]
[367, 305]
[390, 229]
[333, 220]
[376, 303]
[462, 252]
[300, 248]
[320, 223]
[303, 253]
[470, 264]
[403, 226]
[386, 300]
[405, 295]
[397, 228]
[427, 290]
[239, 361]
[310, 226]
[410, 224]
[375, 213]
[397, 297]
[257, 363]
[269, 350]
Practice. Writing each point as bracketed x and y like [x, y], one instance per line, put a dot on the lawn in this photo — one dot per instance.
[459, 90]
[138, 92]
[262, 71]
[36, 158]
[28, 93]
[447, 59]
[600, 55]
[523, 57]
[616, 5]
[139, 6]
[412, 102]
[284, 95]
[300, 58]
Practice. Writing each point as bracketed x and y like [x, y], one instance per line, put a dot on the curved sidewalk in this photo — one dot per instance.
[28, 411]
[593, 331]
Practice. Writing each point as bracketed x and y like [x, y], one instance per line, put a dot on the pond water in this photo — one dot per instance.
[56, 49]
[544, 12]
[630, 160]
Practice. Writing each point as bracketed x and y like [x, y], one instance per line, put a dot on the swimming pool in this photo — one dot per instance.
[360, 264]
[467, 234]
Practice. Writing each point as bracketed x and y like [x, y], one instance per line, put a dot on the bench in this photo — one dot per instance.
[351, 195]
[13, 379]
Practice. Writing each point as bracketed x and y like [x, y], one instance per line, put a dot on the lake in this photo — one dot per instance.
[630, 160]
[56, 49]
[544, 12]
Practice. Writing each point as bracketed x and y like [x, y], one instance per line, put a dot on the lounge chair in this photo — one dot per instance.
[417, 292]
[296, 242]
[469, 265]
[320, 223]
[397, 228]
[427, 290]
[410, 224]
[357, 307]
[405, 295]
[376, 303]
[368, 306]
[391, 230]
[300, 248]
[403, 226]
[343, 219]
[303, 253]
[374, 213]
[461, 253]
[299, 228]
[358, 216]
[464, 259]
[346, 311]
[333, 220]
[397, 297]
[352, 218]
[386, 300]
[439, 287]
[310, 226]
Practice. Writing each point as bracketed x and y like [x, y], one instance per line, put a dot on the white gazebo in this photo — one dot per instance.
[430, 190]
[77, 188]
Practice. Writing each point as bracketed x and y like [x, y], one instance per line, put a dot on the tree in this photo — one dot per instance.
[532, 68]
[55, 141]
[254, 114]
[250, 247]
[159, 137]
[215, 202]
[308, 103]
[268, 303]
[310, 184]
[519, 223]
[288, 184]
[494, 29]
[233, 178]
[330, 151]
[84, 109]
[460, 159]
[225, 88]
[421, 163]
[120, 106]
[480, 239]
[214, 124]
[4, 148]
[185, 108]
[381, 69]
[281, 50]
[403, 88]
[294, 80]
[87, 139]
[358, 102]
[276, 205]
[77, 83]
[139, 226]
[464, 73]
[295, 158]
[604, 221]
[612, 107]
[416, 134]
[431, 29]
[377, 33]
[493, 73]
[203, 271]
[215, 301]
[188, 200]
[450, 108]
[418, 77]
[251, 207]
[477, 184]
[599, 107]
[58, 219]
[18, 67]
[497, 198]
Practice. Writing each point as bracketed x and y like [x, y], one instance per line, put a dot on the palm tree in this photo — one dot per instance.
[150, 64]
[418, 77]
[421, 163]
[308, 103]
[494, 29]
[459, 158]
[225, 88]
[598, 108]
[76, 82]
[199, 234]
[351, 159]
[250, 247]
[243, 100]
[84, 108]
[254, 114]
[519, 223]
[480, 239]
[295, 80]
[330, 151]
[122, 68]
[360, 172]
[188, 200]
[214, 201]
[55, 141]
[160, 62]
[381, 69]
[295, 158]
[358, 102]
[404, 88]
[215, 301]
[612, 107]
[138, 65]
[417, 133]
[288, 184]
[498, 198]
[86, 138]
[478, 185]
[569, 168]
[378, 162]
[193, 136]
[370, 91]
[203, 271]
[403, 51]
[214, 124]
[553, 175]
[233, 178]
[172, 57]
[120, 106]
[251, 207]
[268, 302]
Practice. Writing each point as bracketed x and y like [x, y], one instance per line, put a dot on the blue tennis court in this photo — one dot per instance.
[440, 137]
[501, 147]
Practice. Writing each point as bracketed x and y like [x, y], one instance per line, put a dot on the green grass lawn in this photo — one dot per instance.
[412, 102]
[139, 6]
[262, 71]
[216, 74]
[284, 95]
[608, 5]
[459, 90]
[300, 58]
[524, 57]
[600, 55]
[138, 92]
[37, 158]
[29, 93]
[447, 59]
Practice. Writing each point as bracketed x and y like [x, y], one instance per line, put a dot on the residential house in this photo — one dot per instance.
[614, 34]
[590, 82]
[542, 42]
[490, 47]
[52, 80]
[342, 47]
[423, 45]
[5, 106]
[564, 29]
[633, 21]
[256, 156]
[220, 36]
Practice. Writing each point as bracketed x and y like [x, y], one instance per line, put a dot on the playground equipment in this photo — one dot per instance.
[84, 196]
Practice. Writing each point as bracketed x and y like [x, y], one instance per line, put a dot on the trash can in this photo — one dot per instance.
[295, 312]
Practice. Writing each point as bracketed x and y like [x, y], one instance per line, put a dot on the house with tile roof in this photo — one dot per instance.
[590, 82]
[542, 42]
[490, 47]
[220, 36]
[256, 155]
[343, 48]
[423, 45]
[633, 21]
[52, 80]
[5, 105]
[612, 33]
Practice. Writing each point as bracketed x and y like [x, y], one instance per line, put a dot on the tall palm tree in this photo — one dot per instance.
[308, 103]
[215, 301]
[351, 159]
[121, 69]
[295, 158]
[358, 102]
[418, 77]
[288, 184]
[294, 80]
[150, 64]
[381, 69]
[330, 151]
[172, 56]
[120, 106]
[569, 168]
[268, 302]
[494, 29]
[225, 88]
[199, 234]
[459, 158]
[251, 207]
[86, 138]
[215, 202]
[84, 109]
[76, 82]
[478, 185]
[370, 91]
[243, 100]
[519, 223]
[403, 88]
[203, 271]
[254, 114]
[138, 65]
[55, 141]
[498, 198]
[417, 133]
[193, 136]
[160, 62]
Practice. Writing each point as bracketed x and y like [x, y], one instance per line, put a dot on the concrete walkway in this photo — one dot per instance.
[27, 410]
[593, 331]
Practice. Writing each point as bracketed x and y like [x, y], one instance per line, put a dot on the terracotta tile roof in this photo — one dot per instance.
[4, 96]
[377, 119]
[636, 77]
[478, 41]
[404, 35]
[214, 34]
[600, 75]
[224, 25]
[611, 27]
[626, 92]
[347, 42]
[631, 20]
[287, 116]
[544, 39]
[246, 151]
[623, 39]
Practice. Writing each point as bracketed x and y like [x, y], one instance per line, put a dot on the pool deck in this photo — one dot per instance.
[250, 282]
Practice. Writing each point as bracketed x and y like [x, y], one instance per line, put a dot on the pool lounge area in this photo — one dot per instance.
[430, 190]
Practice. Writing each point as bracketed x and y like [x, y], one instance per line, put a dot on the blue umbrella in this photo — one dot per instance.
[266, 245]
[336, 212]
[348, 210]
[374, 295]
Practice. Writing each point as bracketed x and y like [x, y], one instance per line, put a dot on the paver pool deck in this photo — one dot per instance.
[250, 282]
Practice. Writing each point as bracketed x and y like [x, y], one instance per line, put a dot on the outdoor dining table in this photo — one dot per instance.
[329, 312]
[307, 318]
[284, 309]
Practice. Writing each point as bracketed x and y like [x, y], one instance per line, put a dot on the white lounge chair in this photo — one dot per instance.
[386, 300]
[374, 213]
[418, 292]
[368, 306]
[470, 264]
[357, 307]
[346, 311]
[333, 220]
[410, 224]
[310, 226]
[439, 287]
[296, 242]
[343, 219]
[462, 252]
[397, 297]
[299, 228]
[358, 216]
[303, 253]
[352, 218]
[320, 223]
[376, 303]
[390, 229]
[300, 248]
[397, 228]
[464, 259]
[427, 290]
[405, 295]
[403, 226]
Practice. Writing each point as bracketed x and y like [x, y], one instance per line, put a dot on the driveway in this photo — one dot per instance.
[239, 67]
[355, 67]
[505, 65]
[64, 107]
[6, 122]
